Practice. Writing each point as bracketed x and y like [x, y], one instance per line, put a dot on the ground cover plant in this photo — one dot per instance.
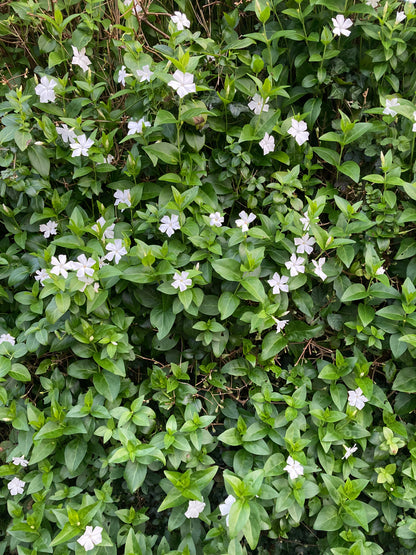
[207, 262]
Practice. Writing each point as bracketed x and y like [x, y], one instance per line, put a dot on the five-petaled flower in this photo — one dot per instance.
[81, 145]
[180, 20]
[356, 398]
[400, 16]
[298, 131]
[108, 232]
[279, 283]
[267, 143]
[225, 507]
[67, 134]
[115, 250]
[181, 281]
[60, 266]
[245, 220]
[349, 451]
[295, 265]
[137, 126]
[20, 461]
[83, 266]
[318, 268]
[90, 538]
[80, 59]
[182, 83]
[48, 229]
[195, 508]
[16, 486]
[122, 74]
[305, 221]
[122, 197]
[258, 104]
[280, 325]
[45, 90]
[304, 244]
[144, 74]
[169, 224]
[341, 25]
[215, 219]
[391, 103]
[294, 468]
[7, 337]
[41, 275]
[373, 3]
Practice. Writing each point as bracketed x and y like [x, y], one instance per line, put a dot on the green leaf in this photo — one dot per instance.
[162, 317]
[166, 152]
[39, 159]
[75, 452]
[20, 373]
[255, 287]
[272, 344]
[114, 366]
[42, 450]
[328, 519]
[107, 384]
[134, 474]
[351, 169]
[328, 155]
[66, 534]
[405, 381]
[354, 293]
[366, 314]
[227, 304]
[227, 268]
[239, 515]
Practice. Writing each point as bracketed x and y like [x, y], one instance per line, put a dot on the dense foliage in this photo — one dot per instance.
[208, 326]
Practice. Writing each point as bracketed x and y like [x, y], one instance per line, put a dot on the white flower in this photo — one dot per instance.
[169, 224]
[137, 126]
[194, 509]
[41, 275]
[294, 468]
[215, 219]
[341, 25]
[280, 325]
[60, 265]
[144, 73]
[108, 159]
[67, 134]
[181, 281]
[122, 197]
[318, 268]
[278, 283]
[400, 16]
[267, 143]
[20, 461]
[356, 398]
[380, 271]
[90, 538]
[295, 265]
[108, 233]
[45, 90]
[80, 59]
[48, 229]
[305, 221]
[304, 244]
[116, 250]
[245, 220]
[136, 6]
[7, 337]
[81, 145]
[16, 486]
[180, 20]
[182, 83]
[373, 3]
[258, 105]
[122, 74]
[350, 450]
[83, 266]
[390, 103]
[298, 131]
[225, 507]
